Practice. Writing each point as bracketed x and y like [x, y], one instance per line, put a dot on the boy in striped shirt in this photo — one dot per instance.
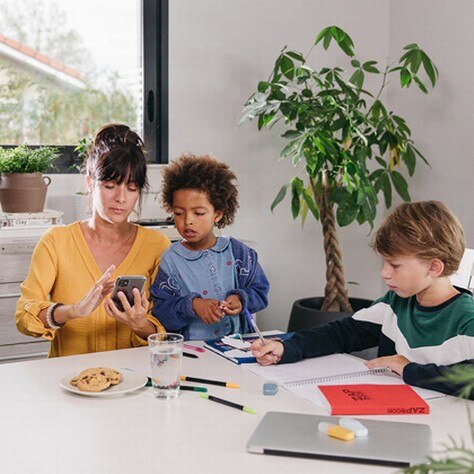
[423, 326]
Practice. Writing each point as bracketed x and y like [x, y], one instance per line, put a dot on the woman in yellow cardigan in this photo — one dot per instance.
[65, 296]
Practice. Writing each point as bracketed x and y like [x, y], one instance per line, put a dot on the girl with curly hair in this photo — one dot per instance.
[204, 281]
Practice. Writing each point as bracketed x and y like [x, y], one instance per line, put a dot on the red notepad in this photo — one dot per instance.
[371, 399]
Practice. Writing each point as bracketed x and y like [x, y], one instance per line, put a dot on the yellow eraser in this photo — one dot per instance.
[336, 431]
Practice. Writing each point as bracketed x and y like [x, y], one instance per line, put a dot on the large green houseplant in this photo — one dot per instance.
[22, 184]
[345, 144]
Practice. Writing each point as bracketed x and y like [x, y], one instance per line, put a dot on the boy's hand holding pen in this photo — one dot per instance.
[267, 353]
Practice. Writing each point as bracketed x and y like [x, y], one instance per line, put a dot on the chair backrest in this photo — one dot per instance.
[464, 277]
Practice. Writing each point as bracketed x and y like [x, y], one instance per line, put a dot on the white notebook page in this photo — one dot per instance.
[303, 377]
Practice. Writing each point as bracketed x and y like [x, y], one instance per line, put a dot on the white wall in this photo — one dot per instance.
[220, 49]
[442, 122]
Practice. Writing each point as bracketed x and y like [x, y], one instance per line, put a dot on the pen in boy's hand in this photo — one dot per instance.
[253, 324]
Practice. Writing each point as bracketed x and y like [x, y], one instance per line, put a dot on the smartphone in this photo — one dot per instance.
[127, 283]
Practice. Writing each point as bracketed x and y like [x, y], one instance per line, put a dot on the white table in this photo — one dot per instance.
[44, 429]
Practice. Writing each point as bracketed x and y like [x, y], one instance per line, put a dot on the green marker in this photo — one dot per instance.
[229, 404]
[193, 388]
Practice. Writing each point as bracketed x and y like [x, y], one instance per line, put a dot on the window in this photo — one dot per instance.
[68, 67]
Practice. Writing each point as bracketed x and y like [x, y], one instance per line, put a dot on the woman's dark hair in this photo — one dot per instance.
[117, 153]
[205, 174]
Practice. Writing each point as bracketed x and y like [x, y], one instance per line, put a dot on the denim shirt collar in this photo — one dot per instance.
[221, 244]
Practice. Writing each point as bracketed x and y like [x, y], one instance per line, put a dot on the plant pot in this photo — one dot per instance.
[81, 207]
[23, 192]
[306, 314]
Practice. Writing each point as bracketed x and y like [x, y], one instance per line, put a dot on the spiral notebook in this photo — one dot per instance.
[303, 377]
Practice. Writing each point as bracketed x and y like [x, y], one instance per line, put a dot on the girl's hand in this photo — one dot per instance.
[96, 294]
[208, 310]
[232, 305]
[269, 353]
[395, 363]
[133, 316]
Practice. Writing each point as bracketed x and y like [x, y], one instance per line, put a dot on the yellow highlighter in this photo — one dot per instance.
[336, 431]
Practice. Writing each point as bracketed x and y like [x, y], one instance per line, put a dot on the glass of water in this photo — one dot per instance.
[166, 354]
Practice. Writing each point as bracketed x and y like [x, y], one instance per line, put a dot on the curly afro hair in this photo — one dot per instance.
[206, 174]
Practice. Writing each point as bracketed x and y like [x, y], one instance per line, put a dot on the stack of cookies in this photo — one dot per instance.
[96, 379]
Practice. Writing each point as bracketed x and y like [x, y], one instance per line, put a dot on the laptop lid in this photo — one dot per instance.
[387, 443]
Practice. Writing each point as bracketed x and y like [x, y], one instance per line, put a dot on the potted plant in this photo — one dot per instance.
[22, 184]
[346, 145]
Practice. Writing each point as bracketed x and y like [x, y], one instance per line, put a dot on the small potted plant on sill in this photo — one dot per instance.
[22, 184]
[346, 145]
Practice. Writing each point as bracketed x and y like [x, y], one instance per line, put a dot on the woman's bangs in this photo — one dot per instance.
[121, 167]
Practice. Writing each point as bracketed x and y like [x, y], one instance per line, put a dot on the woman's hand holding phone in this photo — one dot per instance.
[131, 307]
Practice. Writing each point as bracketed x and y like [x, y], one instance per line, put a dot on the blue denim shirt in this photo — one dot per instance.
[212, 273]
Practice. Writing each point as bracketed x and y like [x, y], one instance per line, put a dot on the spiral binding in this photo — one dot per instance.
[335, 378]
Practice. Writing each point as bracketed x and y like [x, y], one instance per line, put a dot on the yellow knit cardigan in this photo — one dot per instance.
[63, 270]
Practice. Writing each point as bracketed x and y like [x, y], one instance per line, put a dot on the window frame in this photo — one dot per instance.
[154, 41]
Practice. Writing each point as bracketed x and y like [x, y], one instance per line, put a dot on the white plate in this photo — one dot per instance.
[131, 381]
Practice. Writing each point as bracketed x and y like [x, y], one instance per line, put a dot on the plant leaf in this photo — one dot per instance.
[405, 77]
[420, 84]
[387, 191]
[296, 186]
[369, 66]
[400, 185]
[287, 67]
[346, 213]
[279, 197]
[321, 35]
[429, 68]
[310, 203]
[294, 55]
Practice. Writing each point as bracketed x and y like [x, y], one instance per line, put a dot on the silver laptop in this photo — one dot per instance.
[387, 443]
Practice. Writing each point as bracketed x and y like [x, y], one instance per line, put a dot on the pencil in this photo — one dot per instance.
[212, 382]
[228, 403]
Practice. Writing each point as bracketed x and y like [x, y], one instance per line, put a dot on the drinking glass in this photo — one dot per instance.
[166, 354]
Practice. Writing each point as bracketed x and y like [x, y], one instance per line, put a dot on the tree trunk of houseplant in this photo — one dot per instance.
[335, 293]
[23, 192]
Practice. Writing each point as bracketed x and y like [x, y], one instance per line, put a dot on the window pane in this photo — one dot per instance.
[67, 67]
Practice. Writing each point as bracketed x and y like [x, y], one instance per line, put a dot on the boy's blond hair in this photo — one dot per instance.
[426, 230]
